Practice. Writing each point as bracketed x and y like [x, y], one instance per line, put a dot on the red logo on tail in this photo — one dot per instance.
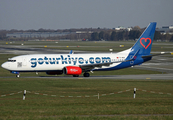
[145, 39]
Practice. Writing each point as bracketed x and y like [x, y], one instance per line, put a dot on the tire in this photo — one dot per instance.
[86, 74]
[17, 75]
[75, 75]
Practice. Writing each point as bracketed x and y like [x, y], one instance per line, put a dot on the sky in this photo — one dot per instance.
[66, 14]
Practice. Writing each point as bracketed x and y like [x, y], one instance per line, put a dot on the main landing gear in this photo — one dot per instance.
[86, 74]
[75, 75]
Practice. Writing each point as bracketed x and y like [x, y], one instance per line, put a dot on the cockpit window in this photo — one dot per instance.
[11, 60]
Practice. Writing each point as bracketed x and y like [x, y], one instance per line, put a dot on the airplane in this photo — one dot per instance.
[76, 64]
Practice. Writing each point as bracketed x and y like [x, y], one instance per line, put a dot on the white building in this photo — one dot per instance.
[166, 29]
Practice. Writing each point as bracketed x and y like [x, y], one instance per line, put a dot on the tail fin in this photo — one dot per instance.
[144, 43]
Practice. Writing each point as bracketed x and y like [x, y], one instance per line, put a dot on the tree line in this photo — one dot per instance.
[126, 35]
[116, 35]
[92, 34]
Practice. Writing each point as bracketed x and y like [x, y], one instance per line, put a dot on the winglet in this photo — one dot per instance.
[71, 52]
[135, 55]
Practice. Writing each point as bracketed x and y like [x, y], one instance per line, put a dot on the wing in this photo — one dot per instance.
[89, 67]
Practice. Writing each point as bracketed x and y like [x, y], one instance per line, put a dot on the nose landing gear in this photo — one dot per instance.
[18, 75]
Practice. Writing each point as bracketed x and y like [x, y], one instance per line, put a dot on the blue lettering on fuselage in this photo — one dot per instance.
[68, 60]
[33, 62]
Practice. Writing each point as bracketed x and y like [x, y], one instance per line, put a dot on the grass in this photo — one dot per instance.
[42, 107]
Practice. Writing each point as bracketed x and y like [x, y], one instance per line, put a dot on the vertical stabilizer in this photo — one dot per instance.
[145, 41]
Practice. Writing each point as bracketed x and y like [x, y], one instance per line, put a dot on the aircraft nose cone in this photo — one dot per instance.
[4, 65]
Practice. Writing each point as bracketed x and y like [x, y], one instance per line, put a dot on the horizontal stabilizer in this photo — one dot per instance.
[161, 53]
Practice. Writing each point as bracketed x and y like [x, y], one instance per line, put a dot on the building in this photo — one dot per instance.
[166, 29]
[37, 34]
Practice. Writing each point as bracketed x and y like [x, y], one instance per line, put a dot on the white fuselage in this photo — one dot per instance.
[47, 62]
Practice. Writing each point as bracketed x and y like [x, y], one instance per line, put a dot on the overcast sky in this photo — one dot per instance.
[65, 14]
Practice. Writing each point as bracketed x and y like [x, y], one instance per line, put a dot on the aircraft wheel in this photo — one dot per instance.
[75, 75]
[86, 74]
[17, 75]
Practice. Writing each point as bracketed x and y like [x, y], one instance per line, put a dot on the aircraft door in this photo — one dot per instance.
[131, 62]
[24, 61]
[9, 64]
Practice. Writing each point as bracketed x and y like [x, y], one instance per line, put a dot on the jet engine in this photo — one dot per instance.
[72, 70]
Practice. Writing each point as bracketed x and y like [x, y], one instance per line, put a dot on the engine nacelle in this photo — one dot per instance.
[54, 72]
[72, 70]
